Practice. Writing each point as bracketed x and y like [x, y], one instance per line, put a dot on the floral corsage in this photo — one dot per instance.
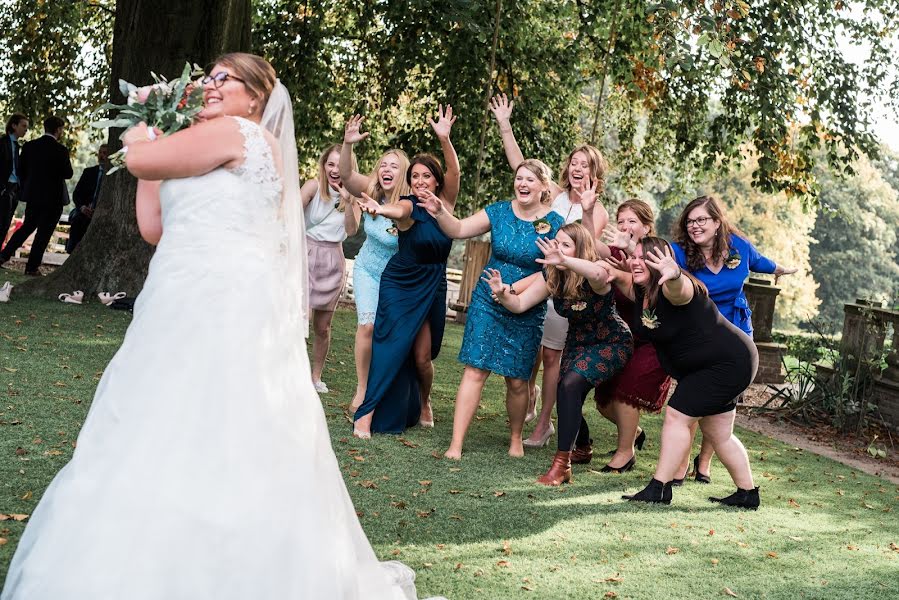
[649, 319]
[733, 260]
[542, 226]
[393, 230]
[579, 306]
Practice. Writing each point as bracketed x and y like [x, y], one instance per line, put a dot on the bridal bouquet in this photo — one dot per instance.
[167, 105]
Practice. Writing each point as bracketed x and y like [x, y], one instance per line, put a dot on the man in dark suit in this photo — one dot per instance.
[87, 192]
[16, 128]
[44, 166]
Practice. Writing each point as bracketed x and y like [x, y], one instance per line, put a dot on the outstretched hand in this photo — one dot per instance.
[618, 264]
[552, 253]
[501, 107]
[431, 203]
[444, 122]
[612, 236]
[783, 271]
[494, 279]
[588, 196]
[352, 130]
[369, 205]
[663, 263]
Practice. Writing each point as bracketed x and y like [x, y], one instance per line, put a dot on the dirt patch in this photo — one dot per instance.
[819, 438]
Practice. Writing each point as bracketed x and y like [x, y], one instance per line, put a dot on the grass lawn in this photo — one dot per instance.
[481, 528]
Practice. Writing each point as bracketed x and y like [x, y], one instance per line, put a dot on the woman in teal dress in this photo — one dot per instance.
[495, 339]
[598, 343]
[386, 184]
[411, 311]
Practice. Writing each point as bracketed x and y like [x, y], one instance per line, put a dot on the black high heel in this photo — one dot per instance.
[677, 482]
[748, 499]
[656, 493]
[622, 469]
[700, 477]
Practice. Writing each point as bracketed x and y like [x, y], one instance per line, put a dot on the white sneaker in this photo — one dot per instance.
[321, 387]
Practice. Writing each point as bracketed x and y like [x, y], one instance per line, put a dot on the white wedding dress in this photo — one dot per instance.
[204, 469]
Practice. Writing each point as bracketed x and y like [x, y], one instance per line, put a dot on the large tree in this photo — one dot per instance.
[149, 35]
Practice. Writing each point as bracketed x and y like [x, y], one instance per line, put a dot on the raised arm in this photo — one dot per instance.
[516, 303]
[352, 180]
[678, 289]
[149, 212]
[442, 127]
[501, 108]
[596, 217]
[193, 151]
[469, 227]
[594, 272]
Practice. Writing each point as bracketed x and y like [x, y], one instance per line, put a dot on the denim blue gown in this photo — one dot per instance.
[413, 290]
[495, 339]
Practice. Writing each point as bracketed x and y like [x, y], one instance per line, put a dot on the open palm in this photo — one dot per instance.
[444, 122]
[352, 131]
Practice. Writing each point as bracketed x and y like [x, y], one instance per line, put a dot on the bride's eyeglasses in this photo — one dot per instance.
[219, 79]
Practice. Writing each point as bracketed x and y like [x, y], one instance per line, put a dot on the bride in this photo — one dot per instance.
[204, 468]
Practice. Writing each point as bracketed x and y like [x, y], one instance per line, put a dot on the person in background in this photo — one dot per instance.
[87, 192]
[44, 165]
[721, 257]
[10, 183]
[330, 217]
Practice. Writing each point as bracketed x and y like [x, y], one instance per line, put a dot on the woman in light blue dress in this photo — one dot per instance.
[386, 183]
[495, 339]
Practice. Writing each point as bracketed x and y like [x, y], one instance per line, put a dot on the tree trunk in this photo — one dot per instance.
[149, 35]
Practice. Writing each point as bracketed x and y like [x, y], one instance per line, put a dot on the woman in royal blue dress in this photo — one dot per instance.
[411, 310]
[720, 256]
[495, 339]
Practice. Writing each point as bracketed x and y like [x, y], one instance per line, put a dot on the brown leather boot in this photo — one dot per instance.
[581, 455]
[559, 472]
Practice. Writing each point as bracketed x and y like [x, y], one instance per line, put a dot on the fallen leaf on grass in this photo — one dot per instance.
[397, 552]
[507, 548]
[794, 504]
[436, 455]
[714, 561]
[27, 495]
[868, 506]
[794, 538]
[610, 595]
[616, 579]
[503, 563]
[894, 547]
[369, 485]
[359, 458]
[455, 491]
[13, 516]
[407, 443]
[771, 555]
[400, 505]
[672, 550]
[499, 493]
[851, 547]
[9, 369]
[730, 592]
[425, 482]
[3, 541]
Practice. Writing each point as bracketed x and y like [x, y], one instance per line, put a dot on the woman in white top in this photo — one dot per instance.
[328, 223]
[584, 169]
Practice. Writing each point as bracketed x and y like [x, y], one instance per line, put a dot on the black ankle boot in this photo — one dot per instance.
[700, 477]
[741, 499]
[656, 492]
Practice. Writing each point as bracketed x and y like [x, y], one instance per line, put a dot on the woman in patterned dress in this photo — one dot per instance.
[495, 339]
[386, 184]
[584, 168]
[598, 343]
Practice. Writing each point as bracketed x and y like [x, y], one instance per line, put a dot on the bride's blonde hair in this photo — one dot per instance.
[257, 74]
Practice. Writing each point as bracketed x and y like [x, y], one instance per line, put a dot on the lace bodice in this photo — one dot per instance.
[231, 214]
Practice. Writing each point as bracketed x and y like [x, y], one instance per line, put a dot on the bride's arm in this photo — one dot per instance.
[149, 213]
[193, 151]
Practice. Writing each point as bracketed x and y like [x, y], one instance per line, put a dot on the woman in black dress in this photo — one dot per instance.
[711, 359]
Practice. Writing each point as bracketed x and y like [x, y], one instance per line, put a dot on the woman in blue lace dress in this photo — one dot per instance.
[411, 312]
[386, 184]
[495, 339]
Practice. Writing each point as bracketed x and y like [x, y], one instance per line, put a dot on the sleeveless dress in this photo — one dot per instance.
[204, 470]
[712, 360]
[380, 244]
[599, 342]
[413, 290]
[495, 339]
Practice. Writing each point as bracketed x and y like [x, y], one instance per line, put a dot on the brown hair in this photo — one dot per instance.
[567, 283]
[650, 243]
[543, 173]
[257, 74]
[432, 164]
[323, 186]
[642, 210]
[598, 168]
[14, 120]
[400, 189]
[721, 244]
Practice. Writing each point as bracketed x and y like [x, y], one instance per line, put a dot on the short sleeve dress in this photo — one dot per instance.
[726, 286]
[495, 339]
[712, 360]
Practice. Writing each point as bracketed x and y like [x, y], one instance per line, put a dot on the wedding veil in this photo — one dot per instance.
[278, 120]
